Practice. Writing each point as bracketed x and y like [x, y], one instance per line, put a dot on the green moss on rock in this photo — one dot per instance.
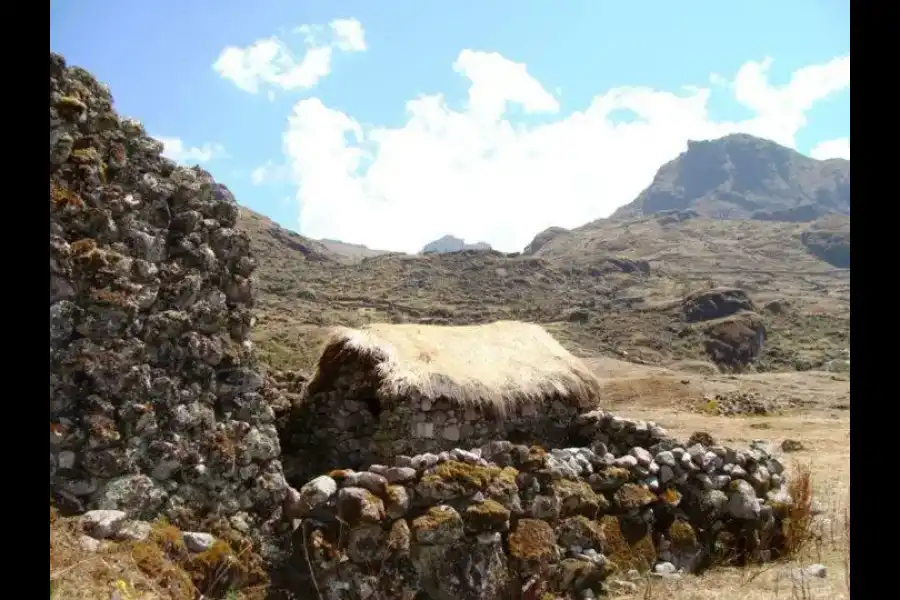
[632, 495]
[640, 555]
[533, 541]
[577, 498]
[610, 478]
[682, 535]
[440, 525]
[489, 515]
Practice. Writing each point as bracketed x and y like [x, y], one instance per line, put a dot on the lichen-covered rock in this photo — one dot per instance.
[577, 498]
[440, 525]
[156, 402]
[357, 505]
[487, 516]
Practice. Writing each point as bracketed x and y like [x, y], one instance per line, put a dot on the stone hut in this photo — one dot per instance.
[388, 390]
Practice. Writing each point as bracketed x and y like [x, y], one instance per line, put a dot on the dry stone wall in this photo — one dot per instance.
[506, 520]
[351, 425]
[156, 404]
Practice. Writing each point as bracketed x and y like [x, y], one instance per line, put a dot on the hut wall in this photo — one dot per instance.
[415, 425]
[334, 426]
[344, 423]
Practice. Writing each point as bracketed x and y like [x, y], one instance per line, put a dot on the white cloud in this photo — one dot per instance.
[270, 173]
[177, 150]
[271, 62]
[838, 148]
[349, 34]
[472, 173]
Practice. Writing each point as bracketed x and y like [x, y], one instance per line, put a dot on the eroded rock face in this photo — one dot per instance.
[479, 523]
[156, 403]
[715, 304]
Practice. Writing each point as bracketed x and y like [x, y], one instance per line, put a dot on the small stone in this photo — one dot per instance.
[664, 568]
[197, 541]
[102, 524]
[626, 462]
[643, 456]
[451, 433]
[314, 494]
[790, 445]
[135, 531]
[400, 474]
[88, 544]
[373, 482]
[742, 501]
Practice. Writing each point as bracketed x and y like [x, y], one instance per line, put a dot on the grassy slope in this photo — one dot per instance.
[569, 285]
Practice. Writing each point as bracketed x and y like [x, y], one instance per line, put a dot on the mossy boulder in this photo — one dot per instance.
[632, 495]
[486, 516]
[625, 554]
[440, 525]
[454, 479]
[577, 498]
[533, 541]
[610, 478]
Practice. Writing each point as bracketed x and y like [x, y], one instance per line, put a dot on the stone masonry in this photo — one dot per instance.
[508, 520]
[155, 400]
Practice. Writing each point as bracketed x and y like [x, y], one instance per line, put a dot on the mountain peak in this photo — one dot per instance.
[740, 176]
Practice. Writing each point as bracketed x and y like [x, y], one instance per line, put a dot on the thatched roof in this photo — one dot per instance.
[497, 364]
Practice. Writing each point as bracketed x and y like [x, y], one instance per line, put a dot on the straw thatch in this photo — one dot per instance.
[497, 364]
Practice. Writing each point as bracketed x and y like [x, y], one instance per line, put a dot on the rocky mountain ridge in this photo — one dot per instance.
[740, 176]
[449, 243]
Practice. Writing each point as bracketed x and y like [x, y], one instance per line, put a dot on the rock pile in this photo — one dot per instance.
[155, 399]
[503, 518]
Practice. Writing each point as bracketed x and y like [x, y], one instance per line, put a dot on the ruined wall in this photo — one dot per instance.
[493, 521]
[347, 423]
[155, 403]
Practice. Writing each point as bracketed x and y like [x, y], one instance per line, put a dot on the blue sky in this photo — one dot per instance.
[392, 123]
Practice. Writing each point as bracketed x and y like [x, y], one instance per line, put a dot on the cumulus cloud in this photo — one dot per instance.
[271, 62]
[177, 150]
[472, 173]
[838, 148]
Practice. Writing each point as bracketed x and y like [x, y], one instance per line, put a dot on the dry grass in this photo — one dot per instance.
[159, 568]
[497, 364]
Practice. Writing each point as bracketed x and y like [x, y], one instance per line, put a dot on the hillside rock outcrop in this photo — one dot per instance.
[449, 243]
[740, 176]
[505, 520]
[156, 403]
[716, 303]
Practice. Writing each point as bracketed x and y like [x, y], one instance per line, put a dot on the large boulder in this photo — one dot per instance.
[715, 304]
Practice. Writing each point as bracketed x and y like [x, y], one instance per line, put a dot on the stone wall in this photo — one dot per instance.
[348, 423]
[503, 519]
[155, 400]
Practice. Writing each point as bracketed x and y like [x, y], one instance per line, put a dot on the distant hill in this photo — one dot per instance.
[744, 177]
[448, 243]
